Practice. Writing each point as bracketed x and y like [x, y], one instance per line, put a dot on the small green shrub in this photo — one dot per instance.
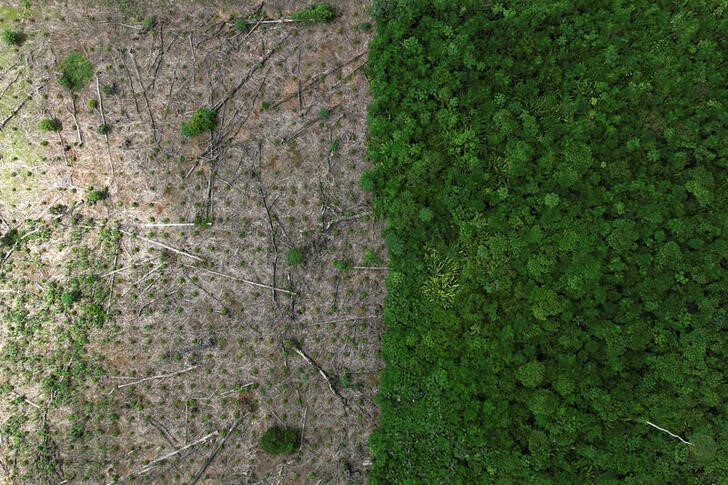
[240, 24]
[103, 129]
[294, 256]
[50, 124]
[13, 37]
[109, 89]
[280, 441]
[343, 264]
[95, 195]
[324, 114]
[202, 120]
[150, 22]
[365, 26]
[322, 12]
[76, 72]
[93, 103]
[202, 221]
[370, 258]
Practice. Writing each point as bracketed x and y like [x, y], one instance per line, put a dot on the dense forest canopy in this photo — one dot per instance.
[554, 175]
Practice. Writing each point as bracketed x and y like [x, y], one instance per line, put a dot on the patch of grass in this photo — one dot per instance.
[95, 195]
[343, 264]
[324, 113]
[150, 22]
[50, 124]
[202, 120]
[76, 72]
[13, 37]
[294, 256]
[280, 441]
[322, 12]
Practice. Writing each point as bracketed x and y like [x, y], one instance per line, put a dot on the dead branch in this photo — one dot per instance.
[132, 265]
[319, 369]
[245, 78]
[216, 450]
[668, 432]
[343, 79]
[155, 462]
[144, 95]
[15, 112]
[106, 134]
[317, 79]
[75, 118]
[220, 302]
[157, 243]
[161, 376]
[20, 71]
[242, 280]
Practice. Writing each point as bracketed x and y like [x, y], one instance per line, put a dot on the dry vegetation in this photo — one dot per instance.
[154, 327]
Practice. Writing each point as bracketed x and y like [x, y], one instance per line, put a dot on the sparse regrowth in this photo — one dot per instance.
[94, 195]
[76, 72]
[13, 37]
[294, 256]
[202, 120]
[321, 12]
[50, 124]
[280, 441]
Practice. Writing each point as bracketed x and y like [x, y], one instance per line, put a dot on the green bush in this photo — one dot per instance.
[241, 24]
[280, 441]
[294, 256]
[103, 129]
[202, 120]
[13, 37]
[50, 124]
[109, 89]
[150, 22]
[324, 113]
[322, 12]
[76, 72]
[93, 103]
[567, 281]
[95, 195]
[343, 264]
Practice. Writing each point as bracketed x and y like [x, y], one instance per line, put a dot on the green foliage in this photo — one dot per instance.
[103, 129]
[343, 264]
[365, 26]
[294, 256]
[13, 37]
[555, 190]
[202, 120]
[76, 72]
[203, 221]
[280, 441]
[109, 89]
[321, 12]
[150, 22]
[93, 103]
[95, 195]
[324, 114]
[241, 24]
[370, 258]
[50, 124]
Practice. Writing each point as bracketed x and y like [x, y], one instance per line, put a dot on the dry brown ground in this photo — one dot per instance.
[269, 180]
